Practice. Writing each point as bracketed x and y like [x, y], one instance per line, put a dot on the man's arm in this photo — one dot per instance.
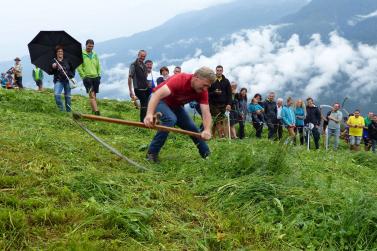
[130, 87]
[362, 123]
[319, 117]
[229, 96]
[207, 121]
[284, 116]
[98, 67]
[161, 93]
[80, 70]
[349, 122]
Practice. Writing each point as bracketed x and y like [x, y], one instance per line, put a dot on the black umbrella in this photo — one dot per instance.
[42, 49]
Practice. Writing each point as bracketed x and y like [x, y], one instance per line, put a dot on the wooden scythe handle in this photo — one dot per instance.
[137, 124]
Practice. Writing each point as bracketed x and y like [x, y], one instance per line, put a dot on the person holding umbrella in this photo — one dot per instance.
[63, 71]
[59, 54]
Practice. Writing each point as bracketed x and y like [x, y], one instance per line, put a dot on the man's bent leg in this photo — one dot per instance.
[185, 122]
[168, 118]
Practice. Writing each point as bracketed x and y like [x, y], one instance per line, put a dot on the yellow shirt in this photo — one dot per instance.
[352, 121]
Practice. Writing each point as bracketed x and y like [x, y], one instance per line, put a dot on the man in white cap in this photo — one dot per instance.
[17, 71]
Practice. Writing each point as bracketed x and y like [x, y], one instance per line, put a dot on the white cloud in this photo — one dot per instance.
[107, 55]
[259, 60]
[116, 83]
[360, 18]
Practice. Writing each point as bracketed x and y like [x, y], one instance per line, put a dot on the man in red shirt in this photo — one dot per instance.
[170, 97]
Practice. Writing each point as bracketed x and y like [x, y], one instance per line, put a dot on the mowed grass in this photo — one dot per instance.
[60, 189]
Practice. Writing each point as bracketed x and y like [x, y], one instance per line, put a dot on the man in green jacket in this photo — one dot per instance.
[90, 73]
[38, 78]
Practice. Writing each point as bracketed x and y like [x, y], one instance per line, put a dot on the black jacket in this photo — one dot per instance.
[270, 111]
[160, 80]
[313, 115]
[140, 75]
[372, 130]
[59, 76]
[223, 98]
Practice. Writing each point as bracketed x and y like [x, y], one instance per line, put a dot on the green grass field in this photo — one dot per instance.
[60, 189]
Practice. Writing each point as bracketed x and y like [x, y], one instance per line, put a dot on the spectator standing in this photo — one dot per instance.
[177, 70]
[356, 125]
[270, 114]
[242, 104]
[313, 121]
[220, 101]
[90, 73]
[38, 77]
[257, 116]
[334, 119]
[289, 118]
[138, 84]
[372, 129]
[300, 113]
[164, 72]
[17, 71]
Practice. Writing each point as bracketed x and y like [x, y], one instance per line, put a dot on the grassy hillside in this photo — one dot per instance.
[59, 189]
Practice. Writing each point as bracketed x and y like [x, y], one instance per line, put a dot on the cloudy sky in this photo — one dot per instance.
[100, 20]
[260, 61]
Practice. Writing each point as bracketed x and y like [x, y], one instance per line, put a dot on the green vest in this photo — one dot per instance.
[37, 74]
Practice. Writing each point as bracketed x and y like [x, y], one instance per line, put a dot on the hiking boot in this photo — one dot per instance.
[152, 157]
[97, 113]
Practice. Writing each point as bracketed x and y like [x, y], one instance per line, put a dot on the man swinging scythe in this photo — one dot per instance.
[169, 99]
[166, 109]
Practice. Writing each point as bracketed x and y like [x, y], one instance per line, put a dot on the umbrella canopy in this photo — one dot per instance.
[42, 49]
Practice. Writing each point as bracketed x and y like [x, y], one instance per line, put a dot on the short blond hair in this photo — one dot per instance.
[207, 73]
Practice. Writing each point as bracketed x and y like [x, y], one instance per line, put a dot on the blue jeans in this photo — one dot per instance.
[171, 117]
[58, 88]
[336, 134]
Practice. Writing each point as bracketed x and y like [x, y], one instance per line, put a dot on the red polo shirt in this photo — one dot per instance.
[181, 91]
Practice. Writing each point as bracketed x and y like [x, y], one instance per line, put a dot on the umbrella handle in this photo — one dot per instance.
[61, 67]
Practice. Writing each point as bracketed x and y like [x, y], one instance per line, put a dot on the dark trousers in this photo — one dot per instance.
[39, 83]
[271, 129]
[279, 128]
[374, 144]
[316, 137]
[258, 126]
[275, 129]
[18, 82]
[171, 117]
[198, 111]
[241, 129]
[143, 96]
[299, 130]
